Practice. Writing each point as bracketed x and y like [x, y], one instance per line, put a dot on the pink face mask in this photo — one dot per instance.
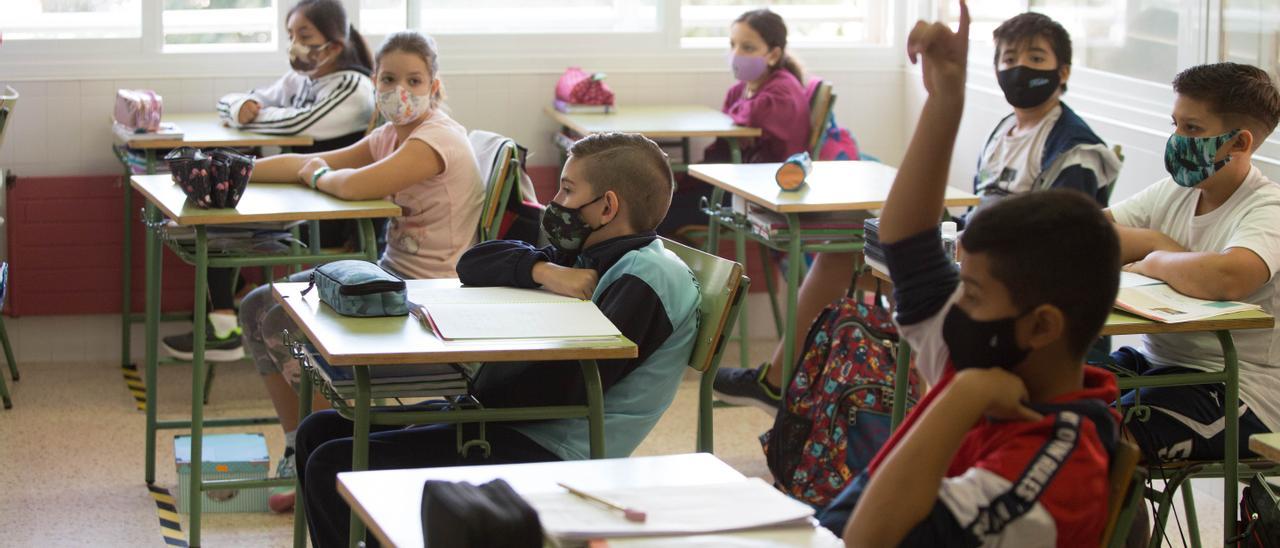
[748, 68]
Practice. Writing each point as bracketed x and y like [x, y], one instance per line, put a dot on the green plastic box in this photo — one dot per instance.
[226, 456]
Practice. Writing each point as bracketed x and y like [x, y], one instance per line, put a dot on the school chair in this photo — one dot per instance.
[1177, 476]
[499, 159]
[8, 100]
[1126, 481]
[821, 103]
[723, 288]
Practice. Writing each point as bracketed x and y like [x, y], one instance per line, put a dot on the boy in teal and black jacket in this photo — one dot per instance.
[614, 191]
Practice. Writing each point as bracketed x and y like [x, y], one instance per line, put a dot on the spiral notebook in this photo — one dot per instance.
[476, 313]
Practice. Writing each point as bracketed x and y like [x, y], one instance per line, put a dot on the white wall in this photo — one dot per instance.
[63, 127]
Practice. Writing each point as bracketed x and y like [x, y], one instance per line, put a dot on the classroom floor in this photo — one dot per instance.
[71, 458]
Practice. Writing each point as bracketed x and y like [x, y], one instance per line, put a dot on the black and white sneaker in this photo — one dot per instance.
[747, 387]
[216, 349]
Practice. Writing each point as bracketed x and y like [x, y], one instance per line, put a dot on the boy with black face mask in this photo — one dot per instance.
[1010, 447]
[1043, 144]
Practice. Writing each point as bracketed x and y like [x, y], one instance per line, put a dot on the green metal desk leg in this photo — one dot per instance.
[299, 509]
[595, 407]
[196, 493]
[735, 150]
[901, 382]
[126, 271]
[1189, 505]
[313, 236]
[151, 328]
[1231, 454]
[713, 222]
[360, 446]
[740, 255]
[370, 239]
[795, 258]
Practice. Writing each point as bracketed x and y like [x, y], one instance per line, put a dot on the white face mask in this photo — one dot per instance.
[400, 106]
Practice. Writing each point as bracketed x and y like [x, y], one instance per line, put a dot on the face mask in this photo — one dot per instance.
[982, 345]
[565, 228]
[1189, 160]
[400, 107]
[1026, 87]
[748, 68]
[300, 58]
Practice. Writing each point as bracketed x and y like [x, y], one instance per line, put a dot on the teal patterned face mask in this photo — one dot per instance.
[1189, 160]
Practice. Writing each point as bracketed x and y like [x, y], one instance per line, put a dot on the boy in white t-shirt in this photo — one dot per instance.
[1212, 231]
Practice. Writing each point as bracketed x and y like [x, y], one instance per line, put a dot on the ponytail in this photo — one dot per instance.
[357, 50]
[792, 65]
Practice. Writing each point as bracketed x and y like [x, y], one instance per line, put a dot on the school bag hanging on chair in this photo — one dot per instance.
[835, 414]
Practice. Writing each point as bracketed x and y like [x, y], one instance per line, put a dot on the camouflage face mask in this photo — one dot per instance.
[1189, 160]
[565, 228]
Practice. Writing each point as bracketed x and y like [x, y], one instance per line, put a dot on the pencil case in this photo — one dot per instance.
[360, 288]
[791, 173]
[211, 179]
[138, 109]
[462, 515]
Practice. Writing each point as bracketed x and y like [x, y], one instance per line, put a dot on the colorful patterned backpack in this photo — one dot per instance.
[835, 414]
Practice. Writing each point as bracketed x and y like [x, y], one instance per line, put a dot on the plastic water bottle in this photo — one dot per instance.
[950, 239]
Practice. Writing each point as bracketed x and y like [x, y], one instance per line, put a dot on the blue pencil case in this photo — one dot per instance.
[360, 288]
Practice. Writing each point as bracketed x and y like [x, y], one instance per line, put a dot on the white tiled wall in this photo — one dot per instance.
[62, 127]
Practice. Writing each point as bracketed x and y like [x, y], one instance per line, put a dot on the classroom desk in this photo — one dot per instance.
[364, 342]
[1267, 445]
[390, 501]
[261, 203]
[1123, 323]
[660, 122]
[854, 187]
[199, 130]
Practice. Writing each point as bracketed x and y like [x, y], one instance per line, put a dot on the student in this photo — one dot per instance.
[1010, 448]
[329, 96]
[1042, 144]
[1211, 230]
[420, 159]
[769, 95]
[614, 190]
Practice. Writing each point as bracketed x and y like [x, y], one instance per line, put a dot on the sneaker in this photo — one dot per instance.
[229, 349]
[747, 387]
[280, 500]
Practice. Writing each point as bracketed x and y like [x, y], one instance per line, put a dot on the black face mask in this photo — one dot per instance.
[565, 228]
[1026, 87]
[982, 345]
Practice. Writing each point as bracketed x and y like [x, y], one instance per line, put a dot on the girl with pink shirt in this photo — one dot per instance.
[420, 159]
[769, 95]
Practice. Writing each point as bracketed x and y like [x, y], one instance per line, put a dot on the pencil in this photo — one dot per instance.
[631, 514]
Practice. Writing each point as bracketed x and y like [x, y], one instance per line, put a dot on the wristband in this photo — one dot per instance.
[317, 174]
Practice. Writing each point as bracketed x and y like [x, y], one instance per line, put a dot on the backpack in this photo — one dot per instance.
[1259, 524]
[837, 143]
[835, 414]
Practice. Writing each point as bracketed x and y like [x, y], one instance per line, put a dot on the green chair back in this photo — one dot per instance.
[820, 106]
[1126, 480]
[501, 172]
[723, 289]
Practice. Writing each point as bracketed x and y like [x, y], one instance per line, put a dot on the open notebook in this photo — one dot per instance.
[671, 510]
[1159, 302]
[474, 313]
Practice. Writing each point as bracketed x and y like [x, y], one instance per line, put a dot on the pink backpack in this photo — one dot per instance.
[576, 87]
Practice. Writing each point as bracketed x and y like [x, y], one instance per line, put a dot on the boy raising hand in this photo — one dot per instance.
[1011, 446]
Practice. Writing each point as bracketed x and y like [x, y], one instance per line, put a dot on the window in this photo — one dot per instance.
[705, 23]
[219, 25]
[1251, 33]
[1133, 38]
[533, 16]
[62, 19]
[382, 17]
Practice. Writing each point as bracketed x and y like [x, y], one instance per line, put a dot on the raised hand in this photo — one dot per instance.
[945, 53]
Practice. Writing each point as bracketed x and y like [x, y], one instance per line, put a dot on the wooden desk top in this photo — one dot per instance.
[1123, 323]
[656, 122]
[206, 130]
[390, 501]
[262, 202]
[1267, 445]
[830, 186]
[344, 340]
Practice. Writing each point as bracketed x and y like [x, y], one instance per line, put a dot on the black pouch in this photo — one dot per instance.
[462, 515]
[1259, 524]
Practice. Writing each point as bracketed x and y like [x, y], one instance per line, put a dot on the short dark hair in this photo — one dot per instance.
[1021, 29]
[1052, 247]
[635, 168]
[1243, 95]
